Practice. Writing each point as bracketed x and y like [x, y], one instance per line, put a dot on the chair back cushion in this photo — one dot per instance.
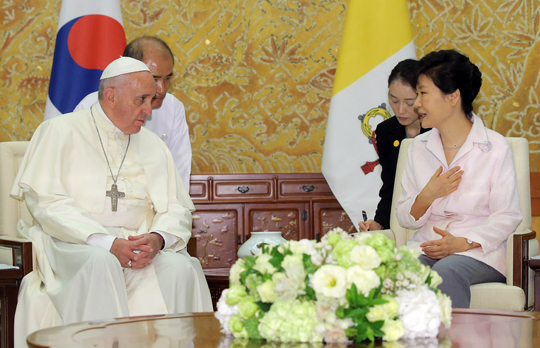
[520, 152]
[401, 234]
[11, 210]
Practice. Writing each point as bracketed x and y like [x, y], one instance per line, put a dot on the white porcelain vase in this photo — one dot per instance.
[254, 244]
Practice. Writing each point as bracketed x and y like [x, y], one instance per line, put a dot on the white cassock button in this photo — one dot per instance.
[121, 143]
[119, 156]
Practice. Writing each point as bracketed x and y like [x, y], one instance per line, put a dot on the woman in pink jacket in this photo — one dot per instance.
[459, 184]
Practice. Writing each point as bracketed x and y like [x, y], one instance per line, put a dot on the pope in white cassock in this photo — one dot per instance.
[112, 217]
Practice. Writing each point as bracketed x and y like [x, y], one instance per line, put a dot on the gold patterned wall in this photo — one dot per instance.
[256, 76]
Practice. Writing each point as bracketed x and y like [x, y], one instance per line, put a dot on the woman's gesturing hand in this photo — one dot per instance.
[446, 246]
[438, 186]
[441, 185]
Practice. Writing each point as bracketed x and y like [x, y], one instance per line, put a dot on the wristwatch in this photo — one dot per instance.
[471, 243]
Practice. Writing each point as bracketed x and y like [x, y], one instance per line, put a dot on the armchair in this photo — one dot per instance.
[518, 293]
[14, 251]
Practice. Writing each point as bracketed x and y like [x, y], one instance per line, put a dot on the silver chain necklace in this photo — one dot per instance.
[451, 148]
[113, 193]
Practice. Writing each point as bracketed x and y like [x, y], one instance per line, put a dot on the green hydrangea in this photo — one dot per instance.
[384, 246]
[247, 307]
[407, 260]
[342, 252]
[290, 321]
[334, 238]
[236, 325]
[235, 294]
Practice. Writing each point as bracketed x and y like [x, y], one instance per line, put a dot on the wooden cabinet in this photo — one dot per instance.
[230, 206]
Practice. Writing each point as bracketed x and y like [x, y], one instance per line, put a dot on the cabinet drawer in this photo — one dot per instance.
[242, 189]
[198, 190]
[303, 188]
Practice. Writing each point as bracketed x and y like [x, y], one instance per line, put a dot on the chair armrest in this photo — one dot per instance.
[21, 252]
[520, 269]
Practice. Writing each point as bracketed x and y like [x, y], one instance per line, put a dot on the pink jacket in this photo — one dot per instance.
[484, 208]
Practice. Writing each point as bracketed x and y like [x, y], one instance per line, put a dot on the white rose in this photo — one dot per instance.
[236, 270]
[267, 292]
[286, 288]
[330, 280]
[365, 280]
[365, 256]
[436, 279]
[424, 273]
[377, 313]
[294, 268]
[393, 330]
[335, 335]
[262, 265]
[361, 237]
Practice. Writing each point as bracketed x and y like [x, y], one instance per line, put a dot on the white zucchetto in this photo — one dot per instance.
[123, 65]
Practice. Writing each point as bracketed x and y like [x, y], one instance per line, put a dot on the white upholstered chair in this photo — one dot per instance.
[14, 251]
[518, 293]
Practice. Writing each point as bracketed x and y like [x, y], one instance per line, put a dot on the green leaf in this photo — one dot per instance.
[340, 312]
[310, 293]
[377, 301]
[251, 325]
[265, 307]
[356, 313]
[249, 262]
[362, 332]
[351, 332]
[376, 328]
[266, 277]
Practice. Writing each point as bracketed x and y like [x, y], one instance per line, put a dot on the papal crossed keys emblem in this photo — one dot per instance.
[370, 134]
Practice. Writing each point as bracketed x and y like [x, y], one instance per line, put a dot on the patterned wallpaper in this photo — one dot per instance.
[256, 76]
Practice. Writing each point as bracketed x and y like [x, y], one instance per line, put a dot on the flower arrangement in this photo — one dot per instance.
[339, 289]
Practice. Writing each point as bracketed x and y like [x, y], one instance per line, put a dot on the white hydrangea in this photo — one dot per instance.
[419, 311]
[225, 312]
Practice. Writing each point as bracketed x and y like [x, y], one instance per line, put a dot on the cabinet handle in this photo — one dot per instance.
[239, 242]
[307, 188]
[243, 189]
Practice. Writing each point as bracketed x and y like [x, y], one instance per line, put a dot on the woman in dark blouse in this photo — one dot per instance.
[390, 133]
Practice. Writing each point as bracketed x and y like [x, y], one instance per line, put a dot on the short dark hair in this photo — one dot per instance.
[135, 49]
[404, 71]
[451, 70]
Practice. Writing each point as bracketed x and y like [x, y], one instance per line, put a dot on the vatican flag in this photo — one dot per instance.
[90, 36]
[377, 36]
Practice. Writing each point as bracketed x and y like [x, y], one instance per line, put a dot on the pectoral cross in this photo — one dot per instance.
[114, 194]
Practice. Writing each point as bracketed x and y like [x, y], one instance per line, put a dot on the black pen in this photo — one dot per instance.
[364, 215]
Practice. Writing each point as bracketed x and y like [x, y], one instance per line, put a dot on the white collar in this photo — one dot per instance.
[478, 136]
[102, 113]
